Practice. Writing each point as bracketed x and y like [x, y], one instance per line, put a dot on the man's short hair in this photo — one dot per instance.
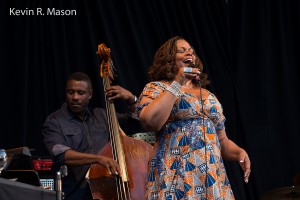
[80, 76]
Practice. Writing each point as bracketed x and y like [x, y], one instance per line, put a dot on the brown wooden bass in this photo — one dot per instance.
[131, 154]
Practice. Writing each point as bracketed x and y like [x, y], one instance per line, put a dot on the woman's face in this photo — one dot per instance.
[185, 54]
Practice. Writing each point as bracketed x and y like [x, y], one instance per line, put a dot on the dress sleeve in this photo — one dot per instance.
[152, 91]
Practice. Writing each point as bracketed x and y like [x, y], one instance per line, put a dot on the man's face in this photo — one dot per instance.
[78, 94]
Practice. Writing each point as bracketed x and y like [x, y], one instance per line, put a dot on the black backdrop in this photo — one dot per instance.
[249, 49]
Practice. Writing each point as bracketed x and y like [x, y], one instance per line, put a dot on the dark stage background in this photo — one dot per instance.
[249, 49]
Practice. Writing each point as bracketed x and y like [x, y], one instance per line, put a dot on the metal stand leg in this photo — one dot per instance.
[58, 184]
[59, 193]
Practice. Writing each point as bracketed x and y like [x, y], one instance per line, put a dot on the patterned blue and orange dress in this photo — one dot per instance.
[186, 162]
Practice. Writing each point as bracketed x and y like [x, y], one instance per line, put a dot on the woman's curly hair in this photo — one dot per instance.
[163, 66]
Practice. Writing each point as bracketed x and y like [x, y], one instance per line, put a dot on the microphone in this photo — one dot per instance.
[189, 69]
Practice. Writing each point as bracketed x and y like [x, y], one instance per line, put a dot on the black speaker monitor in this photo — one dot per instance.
[24, 176]
[20, 159]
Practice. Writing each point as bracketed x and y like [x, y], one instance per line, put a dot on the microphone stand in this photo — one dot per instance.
[58, 184]
[59, 193]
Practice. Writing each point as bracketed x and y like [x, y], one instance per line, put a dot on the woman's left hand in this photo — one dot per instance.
[245, 163]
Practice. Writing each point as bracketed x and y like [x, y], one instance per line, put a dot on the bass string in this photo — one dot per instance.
[122, 187]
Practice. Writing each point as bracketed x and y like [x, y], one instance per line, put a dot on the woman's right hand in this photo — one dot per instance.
[180, 76]
[186, 73]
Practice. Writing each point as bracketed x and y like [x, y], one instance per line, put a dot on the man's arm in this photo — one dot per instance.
[77, 158]
[63, 154]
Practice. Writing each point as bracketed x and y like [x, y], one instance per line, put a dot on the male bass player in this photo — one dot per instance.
[75, 133]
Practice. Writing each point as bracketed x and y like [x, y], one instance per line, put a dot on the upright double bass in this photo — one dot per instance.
[131, 154]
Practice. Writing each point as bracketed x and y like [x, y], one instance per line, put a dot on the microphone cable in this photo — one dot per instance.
[204, 138]
[192, 65]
